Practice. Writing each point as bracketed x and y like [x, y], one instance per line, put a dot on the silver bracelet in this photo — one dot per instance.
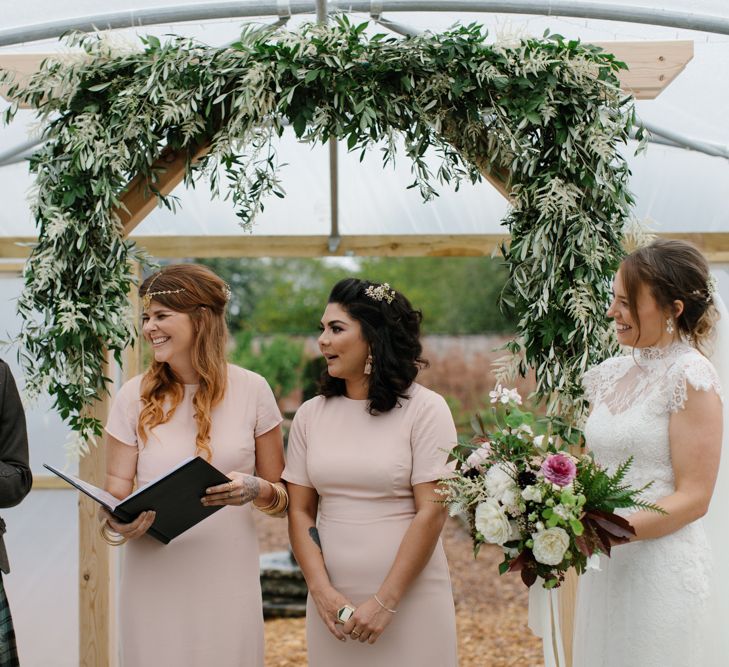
[379, 602]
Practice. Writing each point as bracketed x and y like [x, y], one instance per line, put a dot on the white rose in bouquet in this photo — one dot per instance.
[550, 545]
[492, 523]
[500, 481]
[532, 492]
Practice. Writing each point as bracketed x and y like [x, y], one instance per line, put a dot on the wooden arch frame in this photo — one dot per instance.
[652, 68]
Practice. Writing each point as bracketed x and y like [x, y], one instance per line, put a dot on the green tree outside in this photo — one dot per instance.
[458, 295]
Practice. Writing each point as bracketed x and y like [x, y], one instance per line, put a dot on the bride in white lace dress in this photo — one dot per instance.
[650, 604]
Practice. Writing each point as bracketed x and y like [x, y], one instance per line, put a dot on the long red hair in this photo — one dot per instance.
[197, 291]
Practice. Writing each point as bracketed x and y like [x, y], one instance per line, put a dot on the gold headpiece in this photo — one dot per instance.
[381, 293]
[147, 298]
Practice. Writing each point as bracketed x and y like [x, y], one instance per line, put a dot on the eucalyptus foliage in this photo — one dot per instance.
[548, 113]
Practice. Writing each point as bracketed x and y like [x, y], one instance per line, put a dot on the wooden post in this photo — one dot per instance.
[94, 601]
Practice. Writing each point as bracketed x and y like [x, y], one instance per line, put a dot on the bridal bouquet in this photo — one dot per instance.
[523, 490]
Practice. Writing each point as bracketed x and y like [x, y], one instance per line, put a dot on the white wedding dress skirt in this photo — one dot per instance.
[651, 603]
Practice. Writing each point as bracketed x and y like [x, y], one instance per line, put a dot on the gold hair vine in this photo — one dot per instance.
[381, 292]
[147, 298]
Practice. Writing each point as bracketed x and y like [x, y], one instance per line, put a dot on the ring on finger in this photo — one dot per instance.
[344, 614]
[354, 633]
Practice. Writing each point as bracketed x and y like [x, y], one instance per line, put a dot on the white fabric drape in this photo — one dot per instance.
[716, 518]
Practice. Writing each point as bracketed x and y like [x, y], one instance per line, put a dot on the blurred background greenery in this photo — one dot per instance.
[276, 305]
[458, 295]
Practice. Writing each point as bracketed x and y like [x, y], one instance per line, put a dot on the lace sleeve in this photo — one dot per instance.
[598, 379]
[697, 371]
[591, 384]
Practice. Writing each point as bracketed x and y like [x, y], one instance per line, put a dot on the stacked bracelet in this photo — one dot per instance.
[111, 537]
[379, 602]
[280, 502]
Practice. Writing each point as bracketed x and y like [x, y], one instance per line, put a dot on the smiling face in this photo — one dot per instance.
[343, 344]
[171, 335]
[651, 316]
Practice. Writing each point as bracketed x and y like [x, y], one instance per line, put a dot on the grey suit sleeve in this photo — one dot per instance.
[15, 475]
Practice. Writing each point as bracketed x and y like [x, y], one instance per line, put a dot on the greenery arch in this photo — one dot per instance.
[548, 113]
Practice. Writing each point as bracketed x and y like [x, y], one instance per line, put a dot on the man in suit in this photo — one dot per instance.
[15, 483]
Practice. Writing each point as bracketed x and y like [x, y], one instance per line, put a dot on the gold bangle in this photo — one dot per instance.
[280, 502]
[110, 536]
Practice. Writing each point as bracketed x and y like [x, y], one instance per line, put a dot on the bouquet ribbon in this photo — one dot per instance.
[544, 623]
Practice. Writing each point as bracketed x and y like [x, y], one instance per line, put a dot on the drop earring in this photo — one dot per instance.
[368, 365]
[669, 326]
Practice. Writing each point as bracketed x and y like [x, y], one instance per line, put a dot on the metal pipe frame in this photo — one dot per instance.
[587, 9]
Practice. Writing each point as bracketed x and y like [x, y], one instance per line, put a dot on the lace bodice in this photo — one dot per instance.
[632, 398]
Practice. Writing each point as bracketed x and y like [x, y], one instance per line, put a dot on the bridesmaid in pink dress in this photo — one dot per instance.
[363, 463]
[197, 600]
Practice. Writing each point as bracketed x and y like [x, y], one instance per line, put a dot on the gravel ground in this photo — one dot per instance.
[491, 610]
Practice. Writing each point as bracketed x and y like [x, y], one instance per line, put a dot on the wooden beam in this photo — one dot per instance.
[139, 199]
[653, 65]
[50, 483]
[715, 245]
[23, 65]
[411, 245]
[11, 267]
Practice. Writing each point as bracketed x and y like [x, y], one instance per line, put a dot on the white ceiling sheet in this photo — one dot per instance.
[678, 190]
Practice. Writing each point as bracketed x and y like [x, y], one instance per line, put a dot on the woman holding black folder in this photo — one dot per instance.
[197, 600]
[363, 465]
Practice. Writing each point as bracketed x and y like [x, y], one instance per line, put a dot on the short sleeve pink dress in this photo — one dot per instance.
[364, 467]
[197, 600]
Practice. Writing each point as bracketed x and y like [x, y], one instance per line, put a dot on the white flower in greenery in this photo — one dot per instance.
[562, 511]
[593, 563]
[511, 500]
[525, 428]
[492, 522]
[533, 493]
[542, 442]
[502, 395]
[500, 480]
[550, 545]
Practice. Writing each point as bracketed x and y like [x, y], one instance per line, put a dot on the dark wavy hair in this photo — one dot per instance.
[392, 331]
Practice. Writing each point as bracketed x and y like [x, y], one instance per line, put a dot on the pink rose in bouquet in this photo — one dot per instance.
[559, 469]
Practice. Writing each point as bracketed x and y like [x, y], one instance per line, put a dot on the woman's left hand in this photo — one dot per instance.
[241, 489]
[368, 622]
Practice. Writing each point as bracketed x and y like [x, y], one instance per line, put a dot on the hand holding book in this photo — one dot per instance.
[129, 531]
[241, 489]
[165, 507]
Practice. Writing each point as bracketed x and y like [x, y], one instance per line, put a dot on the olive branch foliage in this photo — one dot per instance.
[545, 115]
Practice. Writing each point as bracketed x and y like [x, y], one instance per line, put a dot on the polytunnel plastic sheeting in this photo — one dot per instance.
[42, 587]
[46, 431]
[678, 190]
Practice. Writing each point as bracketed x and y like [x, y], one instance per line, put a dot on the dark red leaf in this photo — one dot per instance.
[613, 523]
[528, 576]
[583, 546]
[521, 561]
[604, 539]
